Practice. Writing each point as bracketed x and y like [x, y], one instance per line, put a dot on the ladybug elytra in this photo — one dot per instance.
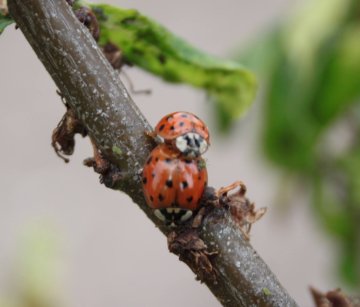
[173, 184]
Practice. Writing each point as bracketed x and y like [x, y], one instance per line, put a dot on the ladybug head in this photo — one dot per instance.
[191, 144]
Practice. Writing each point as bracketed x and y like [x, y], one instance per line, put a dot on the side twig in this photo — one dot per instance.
[93, 90]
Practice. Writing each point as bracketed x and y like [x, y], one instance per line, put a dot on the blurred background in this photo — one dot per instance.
[64, 237]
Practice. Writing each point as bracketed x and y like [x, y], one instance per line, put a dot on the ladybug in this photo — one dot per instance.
[185, 132]
[173, 184]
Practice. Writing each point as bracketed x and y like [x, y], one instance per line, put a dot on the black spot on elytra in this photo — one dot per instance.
[184, 115]
[169, 183]
[156, 159]
[184, 184]
[167, 160]
[172, 127]
[189, 199]
[151, 198]
[149, 160]
[153, 175]
[181, 124]
[161, 127]
[144, 180]
[161, 197]
[188, 161]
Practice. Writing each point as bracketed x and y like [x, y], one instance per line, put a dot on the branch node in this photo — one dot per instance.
[63, 136]
[192, 250]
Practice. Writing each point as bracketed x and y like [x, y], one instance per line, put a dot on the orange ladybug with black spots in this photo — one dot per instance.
[173, 184]
[185, 132]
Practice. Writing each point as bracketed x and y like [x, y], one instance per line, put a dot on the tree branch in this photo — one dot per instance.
[92, 88]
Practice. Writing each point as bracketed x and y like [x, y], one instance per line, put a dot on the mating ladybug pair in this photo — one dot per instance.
[174, 176]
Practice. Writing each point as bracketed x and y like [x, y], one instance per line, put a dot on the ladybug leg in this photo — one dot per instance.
[196, 223]
[151, 134]
[154, 137]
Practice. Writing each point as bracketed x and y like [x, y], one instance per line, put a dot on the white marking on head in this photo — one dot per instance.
[191, 144]
[203, 145]
[181, 143]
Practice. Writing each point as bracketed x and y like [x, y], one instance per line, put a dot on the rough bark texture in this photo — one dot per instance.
[92, 88]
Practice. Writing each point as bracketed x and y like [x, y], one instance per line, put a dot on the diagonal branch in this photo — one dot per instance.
[92, 88]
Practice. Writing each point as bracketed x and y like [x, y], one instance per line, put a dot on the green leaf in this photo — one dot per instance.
[4, 22]
[150, 46]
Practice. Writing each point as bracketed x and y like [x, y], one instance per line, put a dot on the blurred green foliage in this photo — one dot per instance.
[309, 67]
[4, 20]
[150, 46]
[37, 281]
